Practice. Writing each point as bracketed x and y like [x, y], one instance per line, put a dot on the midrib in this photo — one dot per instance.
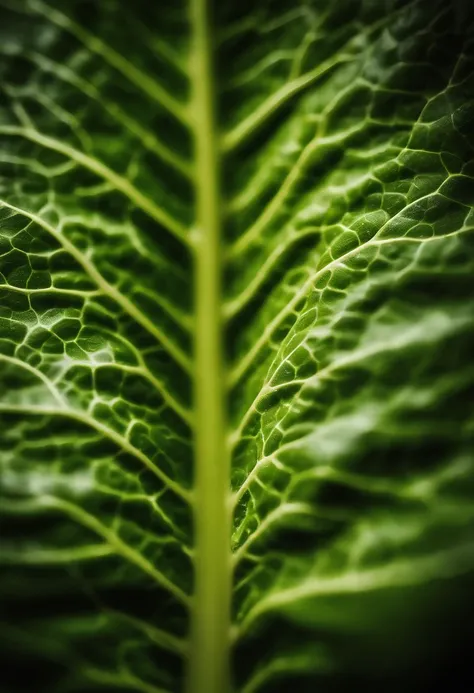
[210, 625]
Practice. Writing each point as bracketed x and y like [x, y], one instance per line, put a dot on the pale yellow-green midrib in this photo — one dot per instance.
[208, 670]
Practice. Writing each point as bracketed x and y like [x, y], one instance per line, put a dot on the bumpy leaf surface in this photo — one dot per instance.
[286, 187]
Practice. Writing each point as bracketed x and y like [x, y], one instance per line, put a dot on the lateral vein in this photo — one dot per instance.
[121, 184]
[125, 303]
[95, 45]
[115, 437]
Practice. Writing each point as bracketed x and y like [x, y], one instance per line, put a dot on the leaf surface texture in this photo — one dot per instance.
[249, 240]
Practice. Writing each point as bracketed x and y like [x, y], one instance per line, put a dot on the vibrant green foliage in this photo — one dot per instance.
[334, 177]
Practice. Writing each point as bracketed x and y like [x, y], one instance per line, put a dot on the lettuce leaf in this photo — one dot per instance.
[236, 338]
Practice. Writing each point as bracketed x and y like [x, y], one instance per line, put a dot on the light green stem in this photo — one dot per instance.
[209, 669]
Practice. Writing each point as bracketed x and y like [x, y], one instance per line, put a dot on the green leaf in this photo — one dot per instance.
[236, 338]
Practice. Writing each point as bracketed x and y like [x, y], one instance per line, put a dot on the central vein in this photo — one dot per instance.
[210, 636]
